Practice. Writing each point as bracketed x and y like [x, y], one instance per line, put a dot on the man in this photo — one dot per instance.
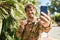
[31, 28]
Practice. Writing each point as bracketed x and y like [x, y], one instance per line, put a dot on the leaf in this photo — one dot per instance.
[4, 11]
[0, 25]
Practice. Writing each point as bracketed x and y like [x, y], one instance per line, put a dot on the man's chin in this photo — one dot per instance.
[31, 17]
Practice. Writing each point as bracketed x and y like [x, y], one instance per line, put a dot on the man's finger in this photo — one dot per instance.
[48, 13]
[44, 19]
[46, 16]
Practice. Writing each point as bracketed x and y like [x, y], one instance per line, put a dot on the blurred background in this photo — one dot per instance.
[12, 11]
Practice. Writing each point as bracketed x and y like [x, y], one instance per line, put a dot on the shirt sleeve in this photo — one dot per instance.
[43, 29]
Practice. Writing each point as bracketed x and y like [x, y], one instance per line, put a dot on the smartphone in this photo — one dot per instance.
[44, 9]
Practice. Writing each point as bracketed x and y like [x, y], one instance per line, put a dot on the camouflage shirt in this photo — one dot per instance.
[31, 31]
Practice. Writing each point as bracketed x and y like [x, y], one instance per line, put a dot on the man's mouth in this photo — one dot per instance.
[31, 15]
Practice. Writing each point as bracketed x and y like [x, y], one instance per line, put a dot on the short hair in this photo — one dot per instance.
[29, 6]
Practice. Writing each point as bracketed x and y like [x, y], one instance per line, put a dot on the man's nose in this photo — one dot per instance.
[30, 12]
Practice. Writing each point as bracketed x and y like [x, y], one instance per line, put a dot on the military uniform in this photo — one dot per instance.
[31, 31]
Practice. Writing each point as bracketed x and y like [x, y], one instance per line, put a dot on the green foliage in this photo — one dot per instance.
[11, 12]
[55, 6]
[57, 17]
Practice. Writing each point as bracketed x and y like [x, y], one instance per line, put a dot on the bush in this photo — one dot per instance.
[56, 17]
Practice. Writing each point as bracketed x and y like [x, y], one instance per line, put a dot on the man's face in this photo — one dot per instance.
[30, 12]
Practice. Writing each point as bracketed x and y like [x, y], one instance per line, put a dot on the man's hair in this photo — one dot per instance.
[29, 6]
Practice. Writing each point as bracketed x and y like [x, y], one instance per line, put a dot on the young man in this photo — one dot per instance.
[31, 28]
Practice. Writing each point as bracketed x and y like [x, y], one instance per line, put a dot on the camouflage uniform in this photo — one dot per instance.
[31, 31]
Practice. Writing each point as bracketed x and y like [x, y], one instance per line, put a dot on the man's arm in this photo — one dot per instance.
[20, 30]
[45, 21]
[47, 29]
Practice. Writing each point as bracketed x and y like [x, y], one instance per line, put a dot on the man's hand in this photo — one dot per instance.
[45, 19]
[22, 23]
[20, 30]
